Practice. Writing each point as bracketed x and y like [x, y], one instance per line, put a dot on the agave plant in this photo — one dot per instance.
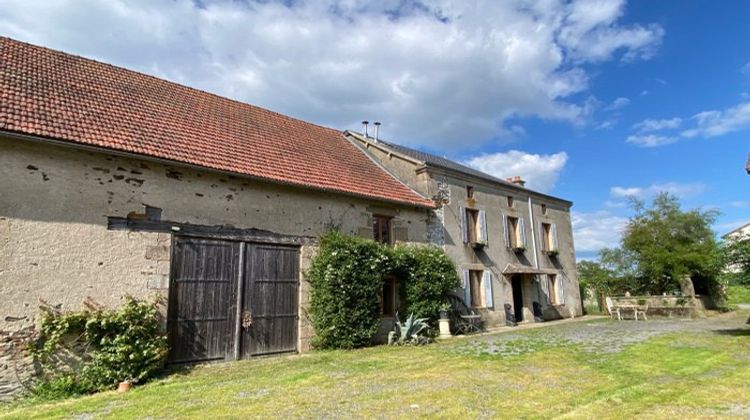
[408, 332]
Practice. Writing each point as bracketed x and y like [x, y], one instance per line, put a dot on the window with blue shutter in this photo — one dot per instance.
[482, 227]
[489, 300]
[467, 288]
[462, 224]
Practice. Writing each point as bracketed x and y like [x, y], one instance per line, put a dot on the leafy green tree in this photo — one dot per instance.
[663, 244]
[737, 259]
[593, 277]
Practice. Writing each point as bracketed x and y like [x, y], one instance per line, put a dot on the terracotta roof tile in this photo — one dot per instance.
[60, 96]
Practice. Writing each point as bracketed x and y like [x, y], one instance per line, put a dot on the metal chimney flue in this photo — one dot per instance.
[377, 130]
[364, 127]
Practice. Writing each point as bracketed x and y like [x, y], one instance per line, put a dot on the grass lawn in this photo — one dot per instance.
[737, 294]
[693, 373]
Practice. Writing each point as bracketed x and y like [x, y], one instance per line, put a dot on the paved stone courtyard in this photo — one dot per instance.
[600, 336]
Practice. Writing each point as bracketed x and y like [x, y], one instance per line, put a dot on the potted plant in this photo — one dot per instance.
[444, 309]
[124, 386]
[553, 253]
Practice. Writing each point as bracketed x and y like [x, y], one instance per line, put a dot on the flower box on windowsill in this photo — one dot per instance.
[478, 245]
[519, 249]
[552, 253]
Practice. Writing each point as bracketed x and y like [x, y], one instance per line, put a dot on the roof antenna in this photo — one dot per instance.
[377, 130]
[364, 125]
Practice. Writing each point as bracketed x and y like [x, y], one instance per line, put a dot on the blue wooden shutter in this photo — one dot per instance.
[489, 300]
[462, 223]
[555, 245]
[506, 233]
[483, 227]
[561, 286]
[545, 288]
[467, 288]
[522, 231]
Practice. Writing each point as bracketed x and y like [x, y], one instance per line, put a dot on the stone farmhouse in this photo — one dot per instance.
[116, 183]
[513, 246]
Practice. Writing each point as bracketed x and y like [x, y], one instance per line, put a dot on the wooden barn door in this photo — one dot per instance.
[270, 304]
[210, 278]
[202, 300]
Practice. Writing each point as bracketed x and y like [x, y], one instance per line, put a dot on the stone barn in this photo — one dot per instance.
[117, 183]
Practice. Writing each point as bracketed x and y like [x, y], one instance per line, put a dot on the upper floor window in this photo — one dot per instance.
[469, 192]
[510, 201]
[381, 229]
[473, 226]
[548, 233]
[514, 232]
[544, 209]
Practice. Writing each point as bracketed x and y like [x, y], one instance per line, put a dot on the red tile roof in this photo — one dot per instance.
[55, 95]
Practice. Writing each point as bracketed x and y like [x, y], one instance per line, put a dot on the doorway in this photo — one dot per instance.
[231, 299]
[517, 285]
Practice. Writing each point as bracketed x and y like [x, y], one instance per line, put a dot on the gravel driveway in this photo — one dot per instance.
[600, 336]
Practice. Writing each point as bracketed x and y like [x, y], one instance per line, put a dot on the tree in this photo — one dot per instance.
[595, 278]
[736, 252]
[663, 244]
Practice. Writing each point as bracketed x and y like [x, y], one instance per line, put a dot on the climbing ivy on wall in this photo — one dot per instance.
[346, 279]
[96, 348]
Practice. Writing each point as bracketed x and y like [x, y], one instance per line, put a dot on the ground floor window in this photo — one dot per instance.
[388, 297]
[475, 286]
[552, 289]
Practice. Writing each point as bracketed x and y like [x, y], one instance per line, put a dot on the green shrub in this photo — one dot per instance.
[345, 283]
[427, 276]
[111, 346]
[346, 279]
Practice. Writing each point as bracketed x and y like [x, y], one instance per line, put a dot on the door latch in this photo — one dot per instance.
[247, 319]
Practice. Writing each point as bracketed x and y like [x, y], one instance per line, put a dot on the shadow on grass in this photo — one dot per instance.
[736, 332]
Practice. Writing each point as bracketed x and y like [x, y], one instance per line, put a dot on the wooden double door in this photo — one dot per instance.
[231, 300]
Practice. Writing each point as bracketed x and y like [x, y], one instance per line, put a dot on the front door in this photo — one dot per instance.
[209, 284]
[517, 283]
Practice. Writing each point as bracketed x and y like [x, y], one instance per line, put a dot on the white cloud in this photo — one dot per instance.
[675, 188]
[656, 125]
[434, 73]
[650, 140]
[597, 230]
[540, 172]
[717, 123]
[618, 104]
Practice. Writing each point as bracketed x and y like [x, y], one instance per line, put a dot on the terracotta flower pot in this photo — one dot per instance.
[124, 386]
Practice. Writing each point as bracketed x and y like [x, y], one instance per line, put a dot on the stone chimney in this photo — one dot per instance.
[516, 180]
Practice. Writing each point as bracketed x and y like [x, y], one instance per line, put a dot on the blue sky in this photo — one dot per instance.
[590, 100]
